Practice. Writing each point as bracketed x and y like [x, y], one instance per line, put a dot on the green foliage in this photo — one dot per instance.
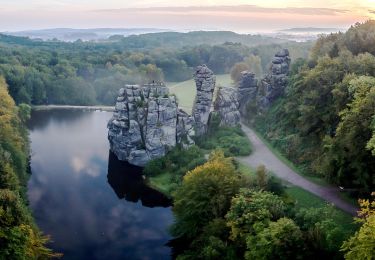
[232, 140]
[204, 194]
[235, 72]
[166, 173]
[251, 211]
[371, 143]
[211, 243]
[53, 72]
[362, 244]
[251, 63]
[280, 240]
[169, 170]
[261, 177]
[358, 39]
[219, 219]
[19, 237]
[177, 161]
[324, 121]
[24, 112]
[352, 136]
[322, 233]
[255, 66]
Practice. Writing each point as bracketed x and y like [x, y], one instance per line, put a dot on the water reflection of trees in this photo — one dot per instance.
[127, 182]
[42, 118]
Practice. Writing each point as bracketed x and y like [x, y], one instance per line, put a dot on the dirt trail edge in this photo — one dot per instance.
[263, 155]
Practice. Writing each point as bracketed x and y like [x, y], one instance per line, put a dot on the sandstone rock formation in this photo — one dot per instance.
[261, 95]
[146, 123]
[247, 90]
[205, 84]
[185, 128]
[226, 106]
[273, 85]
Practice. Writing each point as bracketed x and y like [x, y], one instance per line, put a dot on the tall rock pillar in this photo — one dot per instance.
[247, 91]
[273, 85]
[205, 83]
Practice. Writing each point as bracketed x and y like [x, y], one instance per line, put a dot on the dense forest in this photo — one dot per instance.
[223, 213]
[87, 73]
[325, 122]
[19, 236]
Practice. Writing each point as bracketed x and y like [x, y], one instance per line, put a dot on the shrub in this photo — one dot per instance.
[232, 140]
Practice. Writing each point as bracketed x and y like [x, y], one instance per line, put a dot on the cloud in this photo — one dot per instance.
[228, 9]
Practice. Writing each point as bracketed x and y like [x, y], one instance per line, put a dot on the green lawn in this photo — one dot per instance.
[162, 183]
[305, 199]
[246, 170]
[185, 90]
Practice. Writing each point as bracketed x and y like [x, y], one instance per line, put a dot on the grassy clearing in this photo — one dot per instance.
[232, 140]
[185, 90]
[305, 199]
[165, 174]
[163, 183]
[244, 169]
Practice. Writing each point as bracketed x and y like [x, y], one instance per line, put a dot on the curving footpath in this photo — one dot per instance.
[263, 155]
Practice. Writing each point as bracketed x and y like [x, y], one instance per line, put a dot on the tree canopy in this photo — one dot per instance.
[324, 121]
[19, 237]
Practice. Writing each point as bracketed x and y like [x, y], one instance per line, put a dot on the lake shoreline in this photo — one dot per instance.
[48, 107]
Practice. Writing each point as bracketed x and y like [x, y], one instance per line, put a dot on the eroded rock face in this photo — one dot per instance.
[273, 85]
[247, 90]
[226, 106]
[146, 123]
[205, 83]
[185, 128]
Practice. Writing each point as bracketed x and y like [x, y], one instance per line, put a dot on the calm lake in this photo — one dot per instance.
[92, 205]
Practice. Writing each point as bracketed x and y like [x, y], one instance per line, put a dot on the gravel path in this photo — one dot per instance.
[262, 155]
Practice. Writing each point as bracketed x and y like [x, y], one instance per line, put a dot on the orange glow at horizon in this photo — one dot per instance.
[220, 14]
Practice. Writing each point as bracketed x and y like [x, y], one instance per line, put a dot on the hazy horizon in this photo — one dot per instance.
[184, 30]
[237, 15]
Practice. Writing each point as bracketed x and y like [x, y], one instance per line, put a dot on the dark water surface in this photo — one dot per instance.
[92, 205]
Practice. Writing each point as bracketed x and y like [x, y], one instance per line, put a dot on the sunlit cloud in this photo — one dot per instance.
[236, 15]
[229, 9]
[82, 165]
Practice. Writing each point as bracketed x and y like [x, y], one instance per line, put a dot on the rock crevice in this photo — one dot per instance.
[226, 106]
[145, 124]
[260, 96]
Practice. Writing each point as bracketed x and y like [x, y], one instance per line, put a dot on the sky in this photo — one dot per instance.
[236, 15]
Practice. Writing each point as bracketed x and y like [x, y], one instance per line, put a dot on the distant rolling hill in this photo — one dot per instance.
[138, 39]
[311, 30]
[70, 34]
